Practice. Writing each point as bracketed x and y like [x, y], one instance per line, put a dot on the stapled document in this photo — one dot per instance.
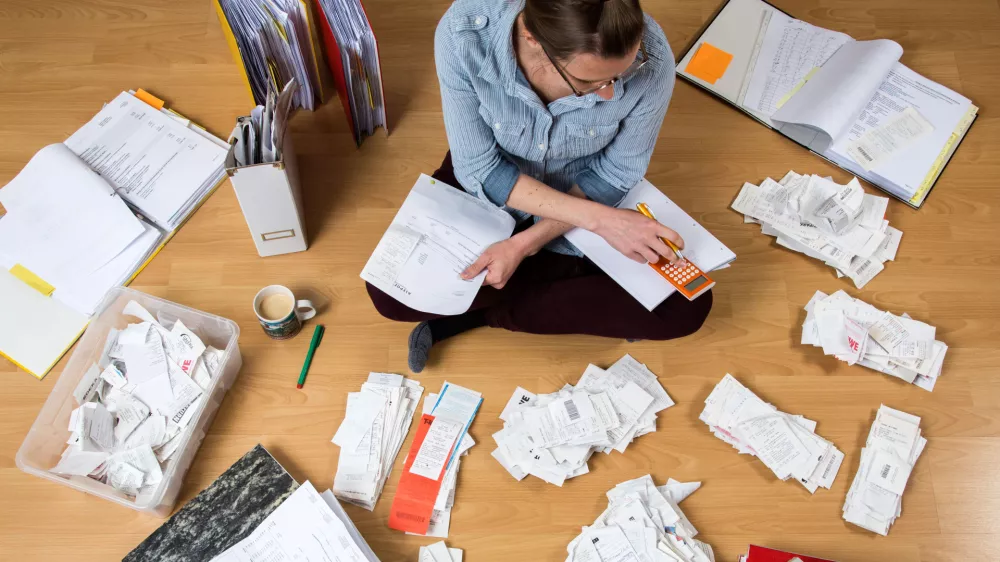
[438, 232]
[880, 143]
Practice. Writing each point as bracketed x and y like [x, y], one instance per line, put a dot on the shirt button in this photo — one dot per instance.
[541, 147]
[591, 132]
[478, 21]
[496, 125]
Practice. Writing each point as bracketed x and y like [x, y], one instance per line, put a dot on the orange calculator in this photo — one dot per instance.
[684, 276]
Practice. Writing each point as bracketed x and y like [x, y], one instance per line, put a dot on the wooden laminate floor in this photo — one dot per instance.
[61, 59]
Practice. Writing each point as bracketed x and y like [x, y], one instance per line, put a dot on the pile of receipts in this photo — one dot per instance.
[439, 552]
[874, 500]
[377, 421]
[786, 443]
[426, 491]
[857, 332]
[642, 524]
[136, 402]
[839, 224]
[552, 436]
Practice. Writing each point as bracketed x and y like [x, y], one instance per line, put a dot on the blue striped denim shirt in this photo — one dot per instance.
[498, 128]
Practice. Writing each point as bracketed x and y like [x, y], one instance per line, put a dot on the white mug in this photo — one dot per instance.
[289, 324]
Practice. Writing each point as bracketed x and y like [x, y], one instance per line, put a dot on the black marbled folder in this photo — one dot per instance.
[222, 514]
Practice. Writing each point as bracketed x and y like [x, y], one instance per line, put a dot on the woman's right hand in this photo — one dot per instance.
[636, 236]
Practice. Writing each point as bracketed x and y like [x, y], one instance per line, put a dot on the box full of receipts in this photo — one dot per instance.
[271, 201]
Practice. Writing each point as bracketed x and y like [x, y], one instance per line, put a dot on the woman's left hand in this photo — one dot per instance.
[501, 260]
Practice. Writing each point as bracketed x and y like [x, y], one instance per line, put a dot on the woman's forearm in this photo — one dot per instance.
[535, 237]
[536, 198]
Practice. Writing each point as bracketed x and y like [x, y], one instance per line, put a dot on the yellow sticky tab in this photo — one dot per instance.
[784, 99]
[709, 63]
[149, 98]
[32, 280]
[939, 162]
[277, 25]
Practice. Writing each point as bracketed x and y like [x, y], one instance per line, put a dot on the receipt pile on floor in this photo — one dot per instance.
[642, 523]
[552, 436]
[857, 332]
[374, 427]
[785, 443]
[875, 498]
[840, 225]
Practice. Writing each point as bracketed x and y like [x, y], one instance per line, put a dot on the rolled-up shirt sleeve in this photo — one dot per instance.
[623, 163]
[480, 166]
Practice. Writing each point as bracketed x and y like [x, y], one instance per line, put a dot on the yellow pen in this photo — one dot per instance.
[648, 213]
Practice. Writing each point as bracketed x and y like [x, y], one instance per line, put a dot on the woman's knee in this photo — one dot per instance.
[686, 318]
[387, 306]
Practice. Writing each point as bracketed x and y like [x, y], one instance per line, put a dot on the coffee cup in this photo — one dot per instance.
[279, 313]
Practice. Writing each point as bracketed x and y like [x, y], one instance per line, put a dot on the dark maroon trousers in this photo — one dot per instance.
[552, 293]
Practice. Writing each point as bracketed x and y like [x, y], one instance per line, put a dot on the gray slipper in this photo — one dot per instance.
[420, 346]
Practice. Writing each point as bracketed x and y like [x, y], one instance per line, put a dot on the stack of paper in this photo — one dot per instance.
[136, 403]
[259, 138]
[306, 527]
[839, 224]
[355, 55]
[642, 523]
[641, 281]
[439, 552]
[857, 332]
[65, 225]
[275, 44]
[426, 492]
[786, 443]
[874, 500]
[437, 233]
[159, 164]
[552, 436]
[377, 421]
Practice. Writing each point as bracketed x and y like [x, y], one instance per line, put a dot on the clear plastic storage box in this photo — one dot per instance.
[47, 438]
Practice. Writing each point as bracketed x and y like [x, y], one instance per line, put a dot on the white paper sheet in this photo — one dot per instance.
[158, 165]
[830, 102]
[642, 282]
[455, 228]
[302, 529]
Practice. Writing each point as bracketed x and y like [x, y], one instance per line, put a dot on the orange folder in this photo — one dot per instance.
[414, 502]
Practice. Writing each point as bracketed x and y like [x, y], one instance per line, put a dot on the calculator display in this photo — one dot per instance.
[698, 282]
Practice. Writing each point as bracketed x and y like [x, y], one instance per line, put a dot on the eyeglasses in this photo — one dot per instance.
[639, 62]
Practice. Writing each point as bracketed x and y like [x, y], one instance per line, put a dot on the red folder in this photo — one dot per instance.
[333, 60]
[414, 502]
[762, 554]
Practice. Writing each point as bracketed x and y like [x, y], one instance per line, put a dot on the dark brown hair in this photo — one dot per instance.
[607, 28]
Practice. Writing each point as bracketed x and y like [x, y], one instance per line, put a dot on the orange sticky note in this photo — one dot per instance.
[149, 98]
[709, 63]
